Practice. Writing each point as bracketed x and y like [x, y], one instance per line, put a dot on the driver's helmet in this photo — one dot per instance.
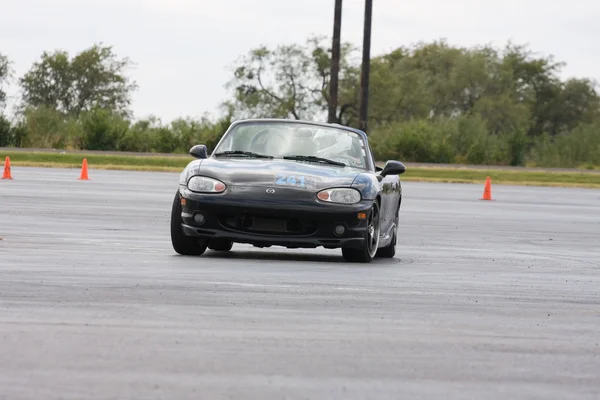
[332, 141]
[304, 143]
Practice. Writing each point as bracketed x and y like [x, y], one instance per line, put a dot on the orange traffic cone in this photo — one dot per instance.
[84, 171]
[7, 174]
[487, 191]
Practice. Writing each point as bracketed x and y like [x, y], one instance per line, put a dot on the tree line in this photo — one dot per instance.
[430, 102]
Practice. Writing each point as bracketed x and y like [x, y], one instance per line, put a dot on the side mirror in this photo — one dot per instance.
[199, 151]
[392, 168]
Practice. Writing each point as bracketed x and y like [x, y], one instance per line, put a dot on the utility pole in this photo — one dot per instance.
[335, 63]
[366, 64]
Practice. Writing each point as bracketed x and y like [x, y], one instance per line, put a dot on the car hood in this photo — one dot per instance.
[274, 173]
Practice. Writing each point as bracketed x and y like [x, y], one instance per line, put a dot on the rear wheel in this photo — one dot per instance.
[182, 244]
[367, 251]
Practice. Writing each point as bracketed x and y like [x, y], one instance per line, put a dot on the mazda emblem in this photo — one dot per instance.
[270, 190]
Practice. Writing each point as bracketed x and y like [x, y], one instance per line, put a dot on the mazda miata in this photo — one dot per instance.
[290, 183]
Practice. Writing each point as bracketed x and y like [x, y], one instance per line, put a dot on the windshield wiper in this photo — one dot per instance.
[242, 153]
[315, 159]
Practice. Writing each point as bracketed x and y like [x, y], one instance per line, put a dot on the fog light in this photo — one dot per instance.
[199, 218]
[339, 230]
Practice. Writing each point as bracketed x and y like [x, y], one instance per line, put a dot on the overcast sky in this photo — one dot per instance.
[182, 48]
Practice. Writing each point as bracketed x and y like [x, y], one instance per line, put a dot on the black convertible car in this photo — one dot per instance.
[288, 183]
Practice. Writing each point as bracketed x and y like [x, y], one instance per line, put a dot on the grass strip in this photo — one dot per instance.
[504, 177]
[428, 174]
[99, 160]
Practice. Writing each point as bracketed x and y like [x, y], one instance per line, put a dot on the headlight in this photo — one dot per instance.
[343, 196]
[205, 185]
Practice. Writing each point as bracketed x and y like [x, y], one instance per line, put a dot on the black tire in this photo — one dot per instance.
[182, 244]
[368, 250]
[220, 245]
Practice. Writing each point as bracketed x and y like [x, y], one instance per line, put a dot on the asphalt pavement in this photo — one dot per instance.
[484, 300]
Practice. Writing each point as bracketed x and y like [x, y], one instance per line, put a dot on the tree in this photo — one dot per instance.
[512, 90]
[398, 90]
[5, 132]
[515, 92]
[292, 81]
[94, 78]
[5, 75]
[555, 106]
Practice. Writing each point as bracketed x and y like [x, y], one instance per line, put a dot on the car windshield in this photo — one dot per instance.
[302, 142]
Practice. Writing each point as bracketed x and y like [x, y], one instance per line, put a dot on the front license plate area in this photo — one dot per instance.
[269, 225]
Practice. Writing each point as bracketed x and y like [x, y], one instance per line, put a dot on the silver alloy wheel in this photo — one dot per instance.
[373, 231]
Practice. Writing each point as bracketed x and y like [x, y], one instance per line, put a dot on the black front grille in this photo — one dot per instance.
[268, 225]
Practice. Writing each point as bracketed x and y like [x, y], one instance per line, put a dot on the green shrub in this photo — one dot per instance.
[580, 147]
[466, 140]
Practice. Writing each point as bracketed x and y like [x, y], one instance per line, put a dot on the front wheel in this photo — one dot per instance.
[182, 244]
[367, 251]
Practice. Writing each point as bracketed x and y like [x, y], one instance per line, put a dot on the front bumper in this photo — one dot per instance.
[289, 218]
